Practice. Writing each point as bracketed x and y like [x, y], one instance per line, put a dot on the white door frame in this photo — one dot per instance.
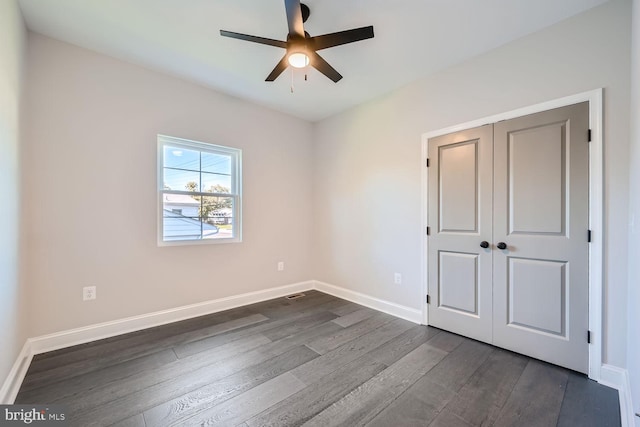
[596, 207]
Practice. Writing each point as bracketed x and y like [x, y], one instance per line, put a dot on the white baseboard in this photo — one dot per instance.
[618, 378]
[55, 341]
[71, 337]
[12, 383]
[407, 313]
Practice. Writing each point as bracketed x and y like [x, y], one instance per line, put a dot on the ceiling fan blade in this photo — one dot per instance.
[340, 38]
[255, 39]
[323, 66]
[294, 17]
[282, 65]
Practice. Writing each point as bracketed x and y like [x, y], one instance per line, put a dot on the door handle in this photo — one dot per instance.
[484, 244]
[502, 245]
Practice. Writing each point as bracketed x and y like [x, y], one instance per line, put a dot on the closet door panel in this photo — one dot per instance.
[541, 202]
[460, 206]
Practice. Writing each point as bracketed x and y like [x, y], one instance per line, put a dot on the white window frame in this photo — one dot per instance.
[236, 188]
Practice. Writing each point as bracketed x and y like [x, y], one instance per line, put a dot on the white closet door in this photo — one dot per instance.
[460, 218]
[541, 213]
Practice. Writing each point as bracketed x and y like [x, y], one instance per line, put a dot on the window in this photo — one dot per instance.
[199, 192]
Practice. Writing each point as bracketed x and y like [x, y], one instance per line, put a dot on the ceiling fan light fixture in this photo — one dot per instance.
[298, 59]
[301, 48]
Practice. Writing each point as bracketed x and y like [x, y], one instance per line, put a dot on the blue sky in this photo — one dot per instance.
[207, 169]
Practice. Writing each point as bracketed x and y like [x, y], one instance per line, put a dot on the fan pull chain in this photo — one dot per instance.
[292, 88]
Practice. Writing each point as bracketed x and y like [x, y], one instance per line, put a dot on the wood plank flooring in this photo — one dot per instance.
[313, 361]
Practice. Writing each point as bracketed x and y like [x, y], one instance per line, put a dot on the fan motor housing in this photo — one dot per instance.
[305, 12]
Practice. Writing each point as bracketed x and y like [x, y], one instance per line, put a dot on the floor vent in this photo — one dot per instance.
[295, 296]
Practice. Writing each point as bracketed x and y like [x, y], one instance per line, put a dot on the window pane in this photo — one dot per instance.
[217, 163]
[179, 180]
[218, 212]
[181, 158]
[213, 183]
[180, 218]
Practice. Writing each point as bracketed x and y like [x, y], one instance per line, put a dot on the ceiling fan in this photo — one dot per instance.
[301, 47]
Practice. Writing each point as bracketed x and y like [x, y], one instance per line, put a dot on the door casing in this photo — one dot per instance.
[596, 207]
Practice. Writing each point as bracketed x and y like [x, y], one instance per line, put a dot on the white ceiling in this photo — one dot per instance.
[413, 38]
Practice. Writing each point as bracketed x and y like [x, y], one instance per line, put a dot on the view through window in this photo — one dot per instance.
[199, 192]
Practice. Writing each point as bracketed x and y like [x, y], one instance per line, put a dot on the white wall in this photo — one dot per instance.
[91, 143]
[633, 353]
[12, 311]
[367, 189]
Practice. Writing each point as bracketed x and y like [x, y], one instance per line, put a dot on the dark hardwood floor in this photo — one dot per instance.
[317, 361]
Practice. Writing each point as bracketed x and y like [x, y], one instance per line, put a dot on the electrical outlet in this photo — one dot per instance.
[88, 293]
[397, 278]
[281, 266]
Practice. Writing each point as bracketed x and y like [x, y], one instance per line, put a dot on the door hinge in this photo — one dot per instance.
[589, 236]
[428, 231]
[588, 337]
[427, 162]
[589, 135]
[428, 299]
